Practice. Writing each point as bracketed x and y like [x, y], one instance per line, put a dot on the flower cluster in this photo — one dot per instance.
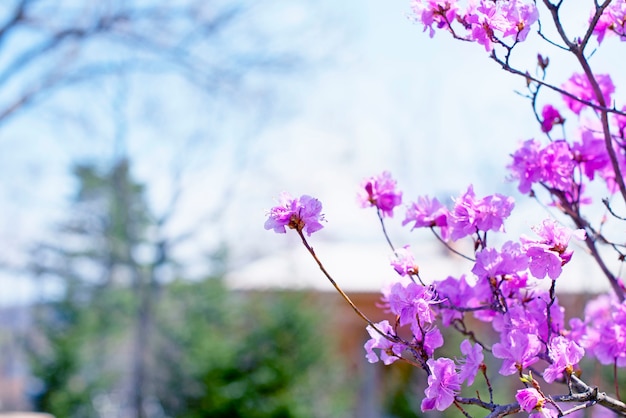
[552, 165]
[504, 286]
[301, 214]
[380, 192]
[530, 400]
[603, 333]
[612, 22]
[443, 384]
[582, 91]
[382, 338]
[468, 215]
[485, 22]
[550, 253]
[555, 166]
[499, 291]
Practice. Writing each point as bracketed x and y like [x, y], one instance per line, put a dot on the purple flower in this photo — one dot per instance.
[553, 165]
[492, 263]
[557, 165]
[403, 261]
[464, 216]
[565, 354]
[529, 399]
[544, 262]
[440, 13]
[591, 154]
[610, 346]
[389, 351]
[549, 254]
[380, 192]
[453, 293]
[301, 214]
[432, 340]
[473, 359]
[471, 214]
[493, 209]
[612, 21]
[528, 314]
[536, 310]
[580, 87]
[526, 165]
[443, 384]
[518, 350]
[427, 212]
[551, 117]
[412, 303]
[519, 17]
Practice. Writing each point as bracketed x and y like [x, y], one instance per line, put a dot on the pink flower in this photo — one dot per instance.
[440, 13]
[518, 350]
[403, 261]
[471, 214]
[443, 384]
[493, 209]
[549, 254]
[493, 263]
[431, 341]
[473, 359]
[380, 192]
[565, 354]
[612, 21]
[611, 339]
[530, 400]
[526, 165]
[579, 86]
[454, 293]
[591, 154]
[301, 214]
[426, 212]
[557, 165]
[412, 303]
[551, 117]
[519, 17]
[389, 351]
[482, 25]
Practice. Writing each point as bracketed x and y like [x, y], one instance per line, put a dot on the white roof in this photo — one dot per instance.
[365, 267]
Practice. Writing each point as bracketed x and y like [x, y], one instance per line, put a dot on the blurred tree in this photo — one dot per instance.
[84, 63]
[118, 336]
[250, 355]
[50, 45]
[180, 86]
[97, 252]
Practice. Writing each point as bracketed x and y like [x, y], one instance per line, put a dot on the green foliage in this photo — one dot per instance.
[253, 355]
[58, 369]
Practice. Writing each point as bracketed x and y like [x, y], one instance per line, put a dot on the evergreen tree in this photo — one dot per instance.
[99, 325]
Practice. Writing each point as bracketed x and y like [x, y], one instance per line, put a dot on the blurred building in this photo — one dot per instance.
[14, 377]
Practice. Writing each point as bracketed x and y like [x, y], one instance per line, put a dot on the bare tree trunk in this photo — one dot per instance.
[142, 344]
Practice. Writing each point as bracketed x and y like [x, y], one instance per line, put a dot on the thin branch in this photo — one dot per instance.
[340, 290]
[449, 247]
